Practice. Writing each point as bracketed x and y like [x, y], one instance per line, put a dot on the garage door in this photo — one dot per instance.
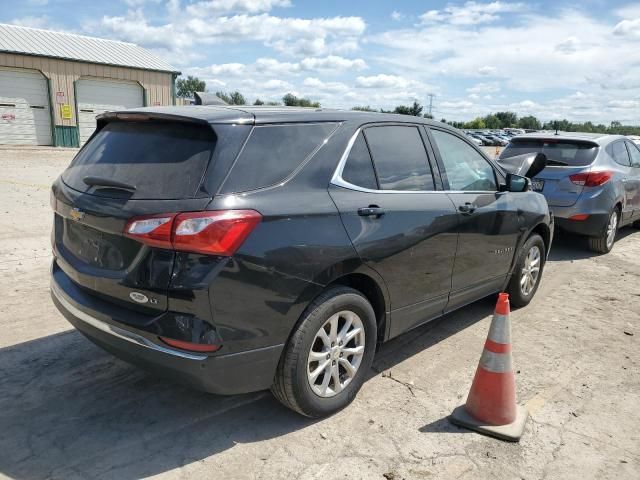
[25, 118]
[98, 96]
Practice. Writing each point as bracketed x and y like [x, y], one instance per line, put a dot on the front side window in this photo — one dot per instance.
[400, 158]
[634, 151]
[358, 170]
[465, 168]
[619, 153]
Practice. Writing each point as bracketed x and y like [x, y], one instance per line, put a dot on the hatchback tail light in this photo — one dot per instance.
[219, 232]
[591, 179]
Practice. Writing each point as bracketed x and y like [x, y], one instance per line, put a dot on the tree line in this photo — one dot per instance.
[498, 120]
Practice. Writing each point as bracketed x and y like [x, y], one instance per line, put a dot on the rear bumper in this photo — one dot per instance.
[596, 202]
[234, 373]
[593, 226]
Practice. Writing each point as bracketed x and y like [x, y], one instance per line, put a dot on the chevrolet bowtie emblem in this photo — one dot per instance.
[76, 214]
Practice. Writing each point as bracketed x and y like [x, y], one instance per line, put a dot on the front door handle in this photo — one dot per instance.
[371, 211]
[467, 208]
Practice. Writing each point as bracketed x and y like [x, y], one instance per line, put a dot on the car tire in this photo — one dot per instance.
[527, 272]
[294, 383]
[604, 243]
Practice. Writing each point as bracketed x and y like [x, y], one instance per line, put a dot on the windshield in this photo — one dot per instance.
[558, 152]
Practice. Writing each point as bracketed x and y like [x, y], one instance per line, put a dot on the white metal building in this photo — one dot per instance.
[53, 84]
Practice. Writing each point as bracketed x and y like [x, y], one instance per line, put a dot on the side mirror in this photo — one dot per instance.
[517, 183]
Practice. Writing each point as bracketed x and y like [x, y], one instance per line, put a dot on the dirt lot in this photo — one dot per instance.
[69, 410]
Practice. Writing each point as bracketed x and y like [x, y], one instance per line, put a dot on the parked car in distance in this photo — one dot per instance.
[487, 142]
[237, 249]
[592, 181]
[497, 141]
[475, 140]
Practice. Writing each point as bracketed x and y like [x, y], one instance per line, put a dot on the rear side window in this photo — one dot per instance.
[619, 153]
[359, 169]
[273, 152]
[400, 158]
[558, 152]
[162, 160]
[634, 151]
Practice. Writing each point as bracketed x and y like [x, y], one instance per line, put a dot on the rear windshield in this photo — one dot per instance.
[161, 160]
[273, 152]
[559, 153]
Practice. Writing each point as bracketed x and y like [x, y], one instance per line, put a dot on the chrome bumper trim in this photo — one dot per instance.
[119, 332]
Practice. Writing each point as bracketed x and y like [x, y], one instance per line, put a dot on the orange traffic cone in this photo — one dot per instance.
[491, 405]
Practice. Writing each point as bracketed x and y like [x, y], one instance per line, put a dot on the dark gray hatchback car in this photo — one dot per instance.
[239, 249]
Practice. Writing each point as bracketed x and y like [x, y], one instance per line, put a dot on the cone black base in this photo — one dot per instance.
[510, 432]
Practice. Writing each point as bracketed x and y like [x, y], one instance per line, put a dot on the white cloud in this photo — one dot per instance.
[332, 87]
[488, 87]
[217, 7]
[230, 69]
[624, 104]
[333, 62]
[275, 84]
[184, 33]
[487, 70]
[41, 21]
[568, 45]
[470, 13]
[385, 81]
[397, 16]
[628, 28]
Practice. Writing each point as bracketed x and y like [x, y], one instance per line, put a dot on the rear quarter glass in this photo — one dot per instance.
[163, 160]
[573, 154]
[273, 152]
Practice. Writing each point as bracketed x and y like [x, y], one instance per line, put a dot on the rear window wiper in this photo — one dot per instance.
[551, 161]
[100, 182]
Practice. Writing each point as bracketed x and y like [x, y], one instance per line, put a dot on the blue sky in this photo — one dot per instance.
[575, 60]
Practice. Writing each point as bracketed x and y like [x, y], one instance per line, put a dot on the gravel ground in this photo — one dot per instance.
[69, 410]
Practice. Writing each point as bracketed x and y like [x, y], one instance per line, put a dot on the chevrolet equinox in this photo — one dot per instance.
[237, 249]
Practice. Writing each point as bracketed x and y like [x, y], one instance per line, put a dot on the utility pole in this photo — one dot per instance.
[430, 95]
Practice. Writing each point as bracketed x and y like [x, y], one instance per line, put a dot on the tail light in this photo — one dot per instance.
[591, 179]
[219, 232]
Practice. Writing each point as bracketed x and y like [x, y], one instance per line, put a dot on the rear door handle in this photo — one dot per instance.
[467, 208]
[371, 211]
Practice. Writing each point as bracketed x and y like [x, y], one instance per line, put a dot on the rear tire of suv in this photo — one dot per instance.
[527, 272]
[604, 243]
[329, 354]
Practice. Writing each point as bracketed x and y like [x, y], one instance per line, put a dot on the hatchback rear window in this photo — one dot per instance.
[273, 152]
[160, 160]
[558, 152]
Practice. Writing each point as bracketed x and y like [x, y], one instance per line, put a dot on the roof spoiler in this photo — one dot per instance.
[205, 98]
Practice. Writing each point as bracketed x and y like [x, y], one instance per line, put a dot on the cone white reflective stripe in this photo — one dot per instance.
[496, 362]
[500, 330]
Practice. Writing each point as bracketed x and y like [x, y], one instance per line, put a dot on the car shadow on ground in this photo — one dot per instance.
[70, 410]
[567, 247]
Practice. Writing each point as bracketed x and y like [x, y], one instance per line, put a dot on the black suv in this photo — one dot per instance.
[239, 248]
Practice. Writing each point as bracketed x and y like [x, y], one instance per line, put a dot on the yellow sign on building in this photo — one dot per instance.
[65, 111]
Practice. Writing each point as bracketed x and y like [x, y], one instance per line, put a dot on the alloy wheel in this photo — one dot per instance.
[336, 354]
[530, 270]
